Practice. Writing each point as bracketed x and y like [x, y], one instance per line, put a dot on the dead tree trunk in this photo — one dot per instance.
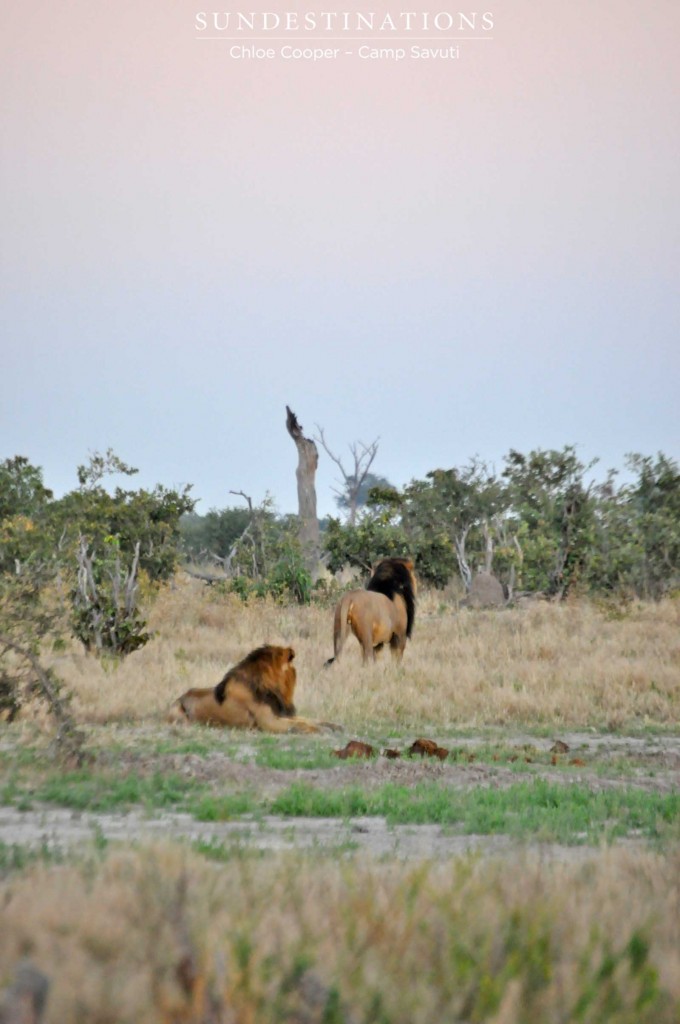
[308, 460]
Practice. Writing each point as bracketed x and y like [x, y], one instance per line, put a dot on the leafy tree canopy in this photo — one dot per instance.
[542, 524]
[22, 491]
[90, 542]
[357, 494]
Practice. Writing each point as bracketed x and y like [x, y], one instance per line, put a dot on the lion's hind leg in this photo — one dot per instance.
[397, 646]
[306, 725]
[363, 631]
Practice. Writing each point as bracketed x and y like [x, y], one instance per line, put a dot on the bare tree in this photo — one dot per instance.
[254, 535]
[362, 456]
[249, 547]
[308, 461]
[105, 602]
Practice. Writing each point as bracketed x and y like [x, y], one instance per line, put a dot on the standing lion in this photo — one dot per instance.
[381, 614]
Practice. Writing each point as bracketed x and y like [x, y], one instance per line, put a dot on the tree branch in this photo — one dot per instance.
[70, 740]
[247, 497]
[363, 456]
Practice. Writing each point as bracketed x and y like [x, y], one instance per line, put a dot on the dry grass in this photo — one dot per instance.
[571, 665]
[161, 935]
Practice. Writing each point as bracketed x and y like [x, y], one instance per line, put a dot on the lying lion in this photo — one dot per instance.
[255, 694]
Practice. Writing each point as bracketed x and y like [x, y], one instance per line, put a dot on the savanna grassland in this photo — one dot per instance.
[569, 910]
[552, 666]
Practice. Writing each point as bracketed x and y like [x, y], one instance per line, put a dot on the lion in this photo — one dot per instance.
[382, 613]
[255, 694]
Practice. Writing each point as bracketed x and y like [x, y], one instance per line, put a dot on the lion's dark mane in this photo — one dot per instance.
[395, 576]
[249, 672]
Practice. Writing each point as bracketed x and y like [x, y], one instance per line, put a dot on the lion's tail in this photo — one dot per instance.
[341, 626]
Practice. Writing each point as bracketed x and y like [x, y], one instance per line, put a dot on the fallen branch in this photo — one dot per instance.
[207, 577]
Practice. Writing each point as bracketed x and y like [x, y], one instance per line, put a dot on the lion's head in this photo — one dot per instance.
[394, 576]
[269, 674]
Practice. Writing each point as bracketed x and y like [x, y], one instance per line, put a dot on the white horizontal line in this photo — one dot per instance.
[346, 39]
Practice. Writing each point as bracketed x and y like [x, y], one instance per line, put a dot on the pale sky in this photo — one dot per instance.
[456, 256]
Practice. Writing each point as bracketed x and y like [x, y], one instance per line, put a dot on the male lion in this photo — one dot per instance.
[255, 694]
[381, 614]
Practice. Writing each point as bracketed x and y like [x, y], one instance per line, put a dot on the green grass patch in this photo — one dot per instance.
[225, 853]
[271, 753]
[537, 809]
[84, 791]
[15, 857]
[190, 745]
[23, 757]
[226, 807]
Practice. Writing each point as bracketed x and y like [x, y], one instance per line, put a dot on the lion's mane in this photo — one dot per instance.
[395, 576]
[270, 676]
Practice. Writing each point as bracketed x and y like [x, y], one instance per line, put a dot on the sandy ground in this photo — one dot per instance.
[57, 829]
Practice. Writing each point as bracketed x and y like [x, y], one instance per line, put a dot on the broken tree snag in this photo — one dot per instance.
[308, 460]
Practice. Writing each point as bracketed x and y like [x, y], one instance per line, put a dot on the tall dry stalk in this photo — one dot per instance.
[159, 935]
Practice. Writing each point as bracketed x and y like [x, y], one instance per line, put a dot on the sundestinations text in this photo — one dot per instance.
[343, 21]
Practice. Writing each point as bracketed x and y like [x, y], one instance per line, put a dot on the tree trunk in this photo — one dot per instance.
[308, 460]
[463, 565]
[488, 547]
